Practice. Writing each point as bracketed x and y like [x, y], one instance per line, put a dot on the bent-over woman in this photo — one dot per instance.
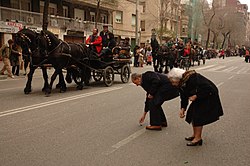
[205, 107]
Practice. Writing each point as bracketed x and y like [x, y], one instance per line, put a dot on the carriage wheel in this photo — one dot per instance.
[108, 76]
[187, 64]
[97, 75]
[125, 73]
[182, 64]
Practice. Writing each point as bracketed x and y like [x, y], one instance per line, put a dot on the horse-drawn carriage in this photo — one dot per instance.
[102, 70]
[76, 58]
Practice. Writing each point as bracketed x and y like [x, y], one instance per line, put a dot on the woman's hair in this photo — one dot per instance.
[175, 73]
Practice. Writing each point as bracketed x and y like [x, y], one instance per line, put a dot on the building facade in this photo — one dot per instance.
[71, 21]
[165, 17]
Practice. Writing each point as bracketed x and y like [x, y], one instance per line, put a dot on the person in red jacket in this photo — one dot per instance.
[187, 50]
[95, 42]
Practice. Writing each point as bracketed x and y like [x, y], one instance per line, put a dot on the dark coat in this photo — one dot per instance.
[159, 86]
[154, 45]
[207, 106]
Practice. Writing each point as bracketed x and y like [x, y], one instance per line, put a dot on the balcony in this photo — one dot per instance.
[32, 19]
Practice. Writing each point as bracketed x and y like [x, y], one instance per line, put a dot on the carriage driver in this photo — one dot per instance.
[95, 42]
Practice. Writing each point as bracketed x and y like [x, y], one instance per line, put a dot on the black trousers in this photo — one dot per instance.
[153, 105]
[15, 70]
[156, 113]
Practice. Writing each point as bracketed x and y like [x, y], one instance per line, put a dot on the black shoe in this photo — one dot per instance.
[153, 128]
[189, 138]
[164, 124]
[195, 143]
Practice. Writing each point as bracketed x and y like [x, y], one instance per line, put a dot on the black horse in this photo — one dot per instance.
[64, 55]
[165, 59]
[27, 39]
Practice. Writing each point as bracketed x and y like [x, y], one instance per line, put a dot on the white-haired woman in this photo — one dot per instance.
[205, 107]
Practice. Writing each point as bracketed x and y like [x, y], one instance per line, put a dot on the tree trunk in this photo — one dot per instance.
[45, 15]
[224, 40]
[208, 37]
[97, 17]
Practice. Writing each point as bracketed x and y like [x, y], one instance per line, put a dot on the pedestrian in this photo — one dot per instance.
[149, 56]
[141, 59]
[15, 55]
[136, 56]
[155, 47]
[5, 52]
[159, 90]
[222, 53]
[205, 107]
[247, 55]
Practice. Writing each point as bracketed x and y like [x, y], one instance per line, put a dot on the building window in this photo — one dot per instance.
[142, 25]
[118, 17]
[79, 14]
[65, 11]
[92, 16]
[52, 8]
[104, 18]
[144, 7]
[133, 20]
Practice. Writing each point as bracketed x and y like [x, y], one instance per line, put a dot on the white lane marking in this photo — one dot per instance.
[241, 70]
[206, 67]
[231, 69]
[126, 141]
[228, 68]
[40, 105]
[216, 68]
[245, 71]
[218, 85]
[231, 77]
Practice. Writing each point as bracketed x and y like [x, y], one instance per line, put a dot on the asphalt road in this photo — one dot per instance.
[98, 126]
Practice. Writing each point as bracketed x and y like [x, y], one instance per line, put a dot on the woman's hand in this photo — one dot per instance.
[182, 113]
[193, 98]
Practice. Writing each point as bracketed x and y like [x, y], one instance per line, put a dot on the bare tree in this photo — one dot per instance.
[208, 18]
[216, 28]
[99, 4]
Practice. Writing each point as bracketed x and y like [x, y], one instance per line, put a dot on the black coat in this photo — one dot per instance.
[207, 106]
[154, 45]
[159, 86]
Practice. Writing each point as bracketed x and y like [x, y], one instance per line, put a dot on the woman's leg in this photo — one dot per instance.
[197, 133]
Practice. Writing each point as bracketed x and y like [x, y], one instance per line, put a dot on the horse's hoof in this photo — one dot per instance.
[79, 87]
[27, 91]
